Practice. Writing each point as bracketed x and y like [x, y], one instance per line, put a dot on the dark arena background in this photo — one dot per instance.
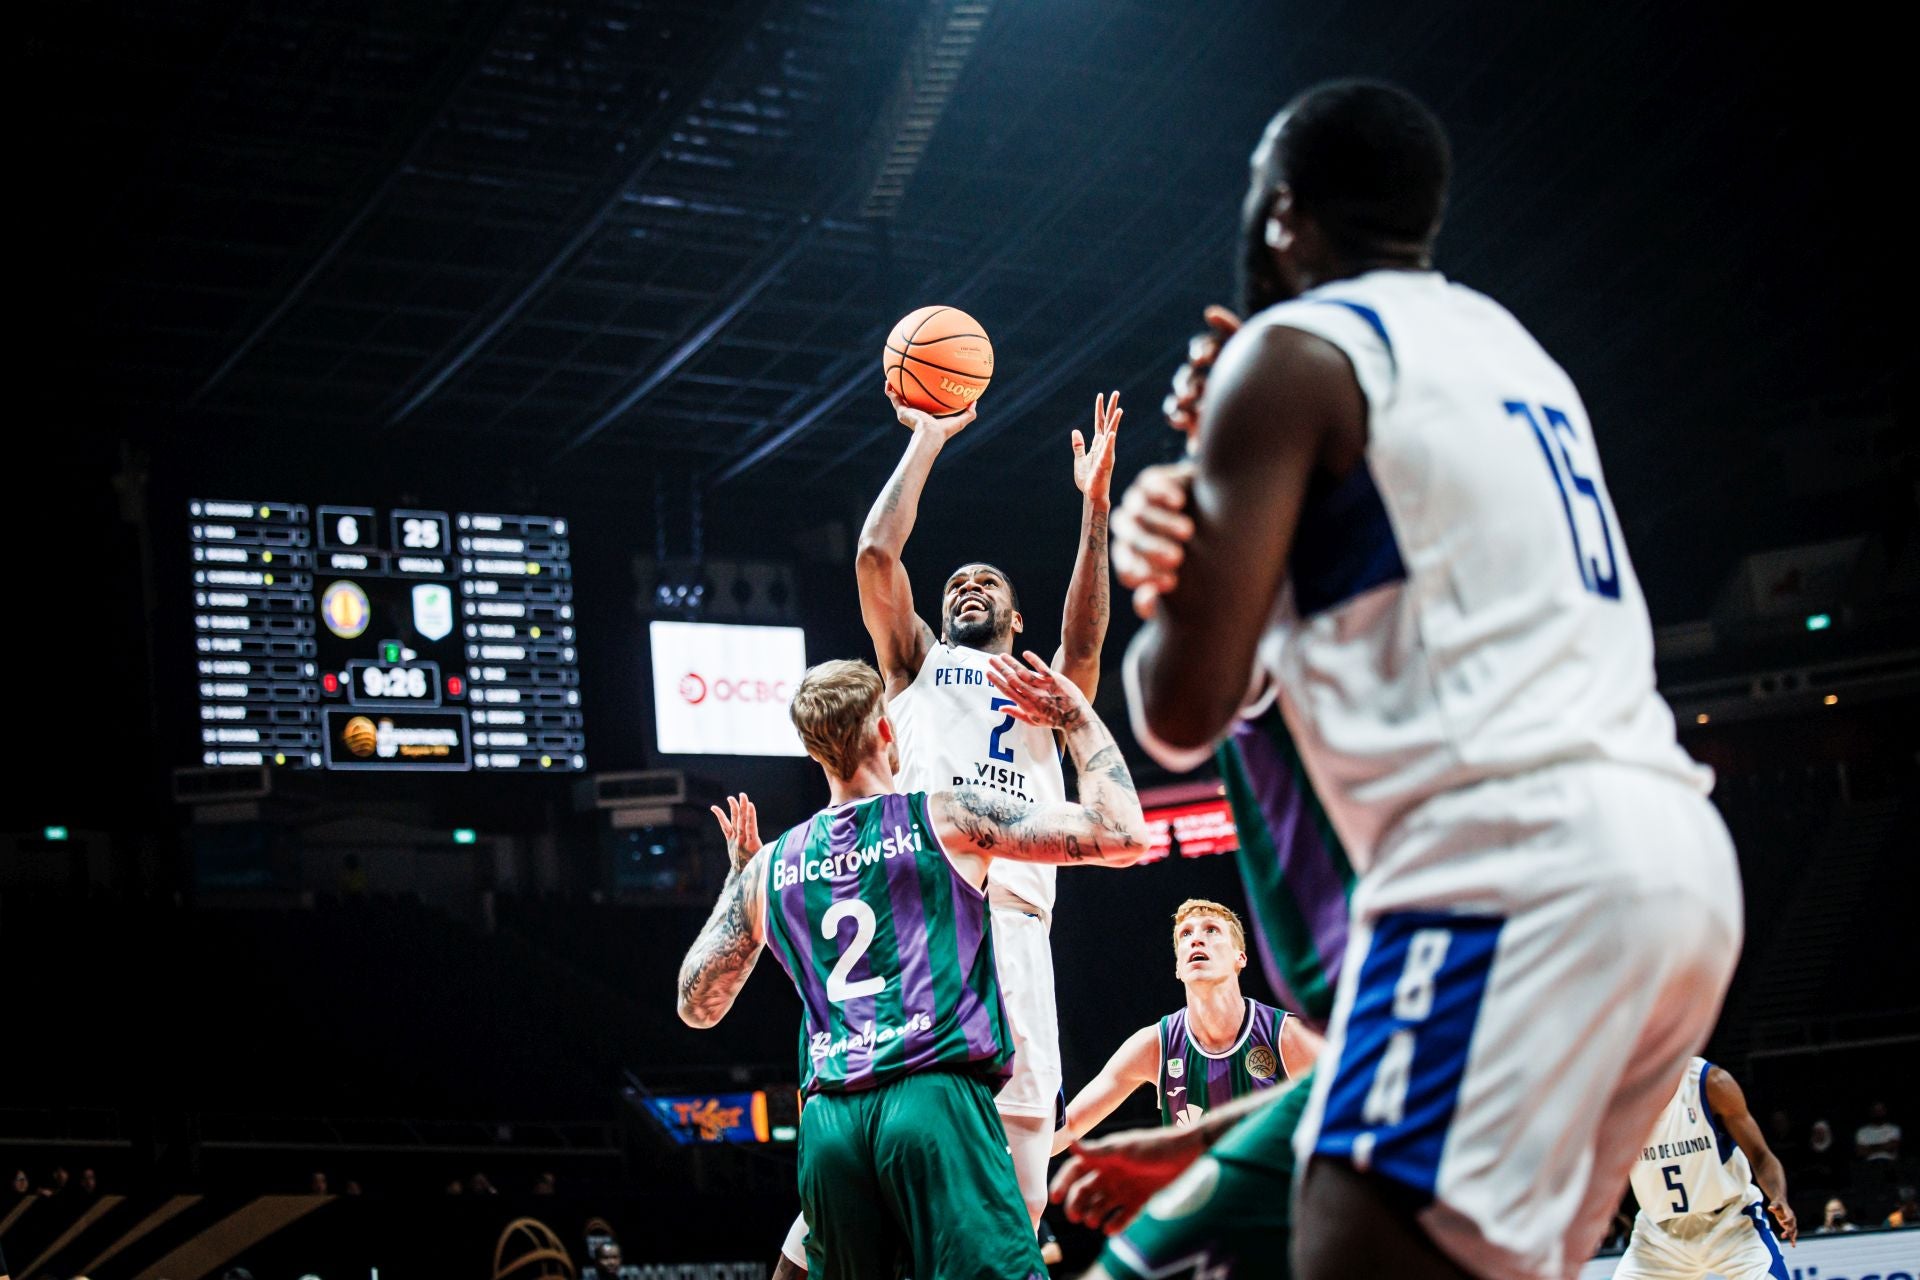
[389, 372]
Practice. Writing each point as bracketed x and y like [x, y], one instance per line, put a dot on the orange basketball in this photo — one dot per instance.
[938, 359]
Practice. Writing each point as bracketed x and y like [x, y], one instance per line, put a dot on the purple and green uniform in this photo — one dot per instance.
[902, 1046]
[1193, 1082]
[1297, 879]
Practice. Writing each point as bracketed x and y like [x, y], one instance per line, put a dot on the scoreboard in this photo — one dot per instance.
[378, 639]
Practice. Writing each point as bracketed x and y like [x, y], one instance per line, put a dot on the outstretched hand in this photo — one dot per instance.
[1105, 1183]
[1093, 468]
[946, 426]
[1041, 696]
[740, 824]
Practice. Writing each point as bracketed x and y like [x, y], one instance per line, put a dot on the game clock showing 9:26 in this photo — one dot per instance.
[365, 639]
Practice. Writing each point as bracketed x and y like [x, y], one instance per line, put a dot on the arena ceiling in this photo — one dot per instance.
[584, 238]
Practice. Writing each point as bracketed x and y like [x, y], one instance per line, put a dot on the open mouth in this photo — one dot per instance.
[970, 602]
[1197, 957]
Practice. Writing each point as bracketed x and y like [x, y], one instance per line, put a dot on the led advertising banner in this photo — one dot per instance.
[723, 690]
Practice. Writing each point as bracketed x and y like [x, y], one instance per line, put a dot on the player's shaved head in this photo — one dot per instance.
[1366, 162]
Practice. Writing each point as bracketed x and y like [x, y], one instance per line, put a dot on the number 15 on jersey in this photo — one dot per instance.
[1581, 497]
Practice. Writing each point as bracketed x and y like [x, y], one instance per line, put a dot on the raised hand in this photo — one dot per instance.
[945, 426]
[1041, 696]
[1151, 530]
[1105, 1183]
[740, 824]
[1182, 405]
[1093, 468]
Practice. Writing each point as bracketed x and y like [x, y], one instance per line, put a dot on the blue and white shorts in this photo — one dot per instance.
[1532, 962]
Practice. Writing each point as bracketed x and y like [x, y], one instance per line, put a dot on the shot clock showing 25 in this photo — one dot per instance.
[362, 639]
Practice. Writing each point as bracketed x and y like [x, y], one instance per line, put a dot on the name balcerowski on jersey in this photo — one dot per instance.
[1674, 1150]
[903, 840]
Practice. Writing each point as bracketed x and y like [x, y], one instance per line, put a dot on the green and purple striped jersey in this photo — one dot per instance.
[890, 949]
[1297, 874]
[1194, 1082]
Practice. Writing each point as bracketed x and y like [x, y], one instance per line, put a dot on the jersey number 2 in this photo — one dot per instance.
[1558, 442]
[839, 990]
[995, 751]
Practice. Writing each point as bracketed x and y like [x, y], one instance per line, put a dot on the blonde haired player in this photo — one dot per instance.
[1700, 1212]
[1222, 1045]
[876, 908]
[956, 730]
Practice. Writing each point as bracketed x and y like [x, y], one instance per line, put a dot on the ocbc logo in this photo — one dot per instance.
[695, 688]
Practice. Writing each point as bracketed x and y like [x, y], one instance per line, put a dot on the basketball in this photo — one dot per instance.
[938, 359]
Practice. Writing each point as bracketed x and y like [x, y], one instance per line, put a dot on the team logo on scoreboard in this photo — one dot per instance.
[433, 610]
[1261, 1064]
[345, 610]
[360, 736]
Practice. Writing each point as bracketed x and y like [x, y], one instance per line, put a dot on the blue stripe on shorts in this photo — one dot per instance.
[1405, 1049]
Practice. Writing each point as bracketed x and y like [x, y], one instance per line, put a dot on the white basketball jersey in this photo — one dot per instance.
[1690, 1164]
[1460, 607]
[954, 732]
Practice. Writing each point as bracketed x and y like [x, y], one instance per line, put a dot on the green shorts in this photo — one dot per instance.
[913, 1178]
[1229, 1216]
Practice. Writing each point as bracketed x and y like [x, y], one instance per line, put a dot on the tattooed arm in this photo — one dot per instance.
[723, 955]
[900, 638]
[1105, 826]
[1083, 628]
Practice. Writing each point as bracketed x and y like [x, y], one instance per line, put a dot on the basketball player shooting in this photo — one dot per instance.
[1395, 509]
[955, 729]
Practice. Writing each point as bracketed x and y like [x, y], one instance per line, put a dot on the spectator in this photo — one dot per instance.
[543, 1185]
[1907, 1212]
[1836, 1219]
[1785, 1140]
[22, 1184]
[1820, 1153]
[352, 1188]
[89, 1183]
[609, 1265]
[455, 1187]
[479, 1185]
[1879, 1139]
[317, 1183]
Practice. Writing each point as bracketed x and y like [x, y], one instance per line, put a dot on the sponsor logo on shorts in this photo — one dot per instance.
[1261, 1064]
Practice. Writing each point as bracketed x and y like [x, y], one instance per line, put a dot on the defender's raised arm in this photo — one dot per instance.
[1106, 826]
